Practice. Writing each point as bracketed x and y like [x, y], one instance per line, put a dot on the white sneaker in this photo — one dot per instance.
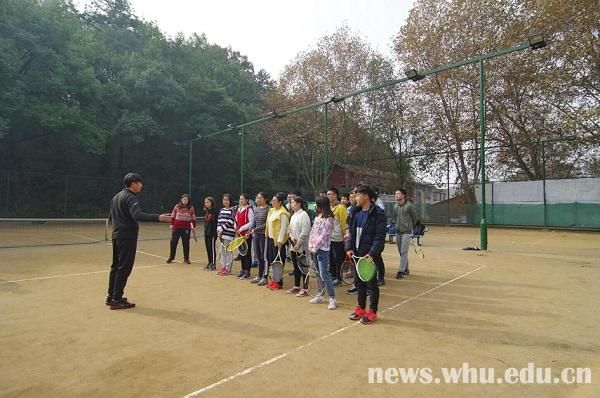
[316, 300]
[332, 305]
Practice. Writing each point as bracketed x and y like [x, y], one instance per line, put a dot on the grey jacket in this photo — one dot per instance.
[406, 217]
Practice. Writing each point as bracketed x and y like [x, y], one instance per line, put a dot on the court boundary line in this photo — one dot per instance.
[84, 273]
[39, 278]
[92, 240]
[324, 337]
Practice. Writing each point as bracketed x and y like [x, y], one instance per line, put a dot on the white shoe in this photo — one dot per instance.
[316, 300]
[332, 305]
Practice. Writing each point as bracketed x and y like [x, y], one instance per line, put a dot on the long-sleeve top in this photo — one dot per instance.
[320, 234]
[278, 221]
[300, 229]
[125, 212]
[226, 223]
[210, 222]
[244, 219]
[183, 217]
[406, 217]
[340, 219]
[260, 219]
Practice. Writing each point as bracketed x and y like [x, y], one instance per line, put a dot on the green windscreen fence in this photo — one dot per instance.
[566, 203]
[565, 215]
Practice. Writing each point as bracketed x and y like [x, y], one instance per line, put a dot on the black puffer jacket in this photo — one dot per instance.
[372, 239]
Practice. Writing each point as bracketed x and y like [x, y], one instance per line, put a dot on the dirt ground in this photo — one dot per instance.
[530, 298]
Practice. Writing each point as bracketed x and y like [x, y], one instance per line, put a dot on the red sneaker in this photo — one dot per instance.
[369, 317]
[276, 286]
[357, 314]
[273, 285]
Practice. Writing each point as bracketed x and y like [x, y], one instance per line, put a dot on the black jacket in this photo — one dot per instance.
[125, 212]
[372, 239]
[210, 222]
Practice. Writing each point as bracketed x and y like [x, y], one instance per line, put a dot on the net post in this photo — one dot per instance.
[241, 160]
[448, 186]
[483, 224]
[66, 203]
[544, 183]
[326, 149]
[190, 170]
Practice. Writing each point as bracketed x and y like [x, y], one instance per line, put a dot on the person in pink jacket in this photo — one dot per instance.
[319, 244]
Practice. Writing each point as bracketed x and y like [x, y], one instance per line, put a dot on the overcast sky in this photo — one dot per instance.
[272, 32]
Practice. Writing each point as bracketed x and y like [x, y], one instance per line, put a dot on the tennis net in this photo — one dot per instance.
[32, 232]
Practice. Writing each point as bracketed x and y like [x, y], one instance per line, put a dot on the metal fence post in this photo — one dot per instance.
[483, 225]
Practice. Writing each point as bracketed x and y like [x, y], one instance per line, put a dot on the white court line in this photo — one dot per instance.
[71, 275]
[85, 273]
[85, 237]
[310, 343]
[150, 254]
[142, 252]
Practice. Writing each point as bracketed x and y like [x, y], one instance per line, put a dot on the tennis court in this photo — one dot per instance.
[530, 298]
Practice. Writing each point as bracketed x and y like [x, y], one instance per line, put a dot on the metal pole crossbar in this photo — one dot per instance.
[534, 42]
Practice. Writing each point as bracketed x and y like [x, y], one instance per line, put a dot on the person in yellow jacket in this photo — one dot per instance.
[340, 219]
[276, 233]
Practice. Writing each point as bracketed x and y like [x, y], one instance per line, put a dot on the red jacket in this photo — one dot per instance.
[242, 218]
[183, 217]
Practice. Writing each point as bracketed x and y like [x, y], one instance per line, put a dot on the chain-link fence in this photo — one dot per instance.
[47, 195]
[565, 203]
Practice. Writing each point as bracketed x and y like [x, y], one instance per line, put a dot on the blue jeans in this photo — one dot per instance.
[321, 258]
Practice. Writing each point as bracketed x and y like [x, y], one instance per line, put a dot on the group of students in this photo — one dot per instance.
[354, 225]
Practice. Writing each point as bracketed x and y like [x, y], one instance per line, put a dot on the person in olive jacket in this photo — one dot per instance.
[406, 218]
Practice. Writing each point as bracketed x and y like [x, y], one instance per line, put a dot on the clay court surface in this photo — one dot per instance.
[532, 297]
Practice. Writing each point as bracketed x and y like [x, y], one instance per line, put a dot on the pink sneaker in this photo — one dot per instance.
[303, 293]
[294, 290]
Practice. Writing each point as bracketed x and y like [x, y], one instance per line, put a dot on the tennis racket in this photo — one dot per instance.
[107, 231]
[365, 268]
[347, 271]
[277, 268]
[225, 257]
[418, 251]
[218, 254]
[243, 249]
[193, 232]
[239, 244]
[303, 263]
[313, 278]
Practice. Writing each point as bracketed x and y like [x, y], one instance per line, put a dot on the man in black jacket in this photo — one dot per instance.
[125, 212]
[367, 238]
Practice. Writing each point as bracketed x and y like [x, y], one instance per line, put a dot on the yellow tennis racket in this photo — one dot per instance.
[239, 244]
